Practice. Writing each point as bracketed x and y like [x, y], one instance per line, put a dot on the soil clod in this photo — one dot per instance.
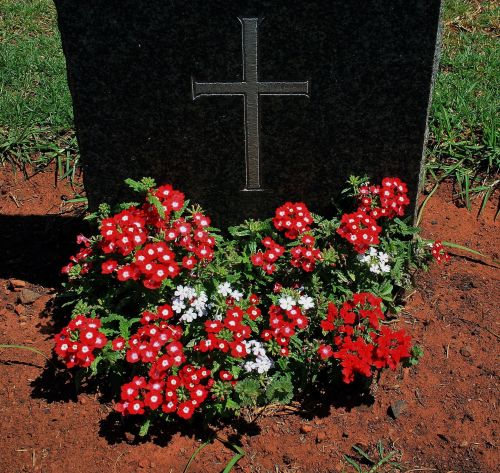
[27, 296]
[397, 408]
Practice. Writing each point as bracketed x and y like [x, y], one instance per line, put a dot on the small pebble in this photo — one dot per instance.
[27, 296]
[305, 428]
[465, 352]
[397, 408]
[20, 309]
[320, 437]
[17, 284]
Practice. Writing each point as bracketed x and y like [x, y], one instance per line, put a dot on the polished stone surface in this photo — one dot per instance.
[133, 69]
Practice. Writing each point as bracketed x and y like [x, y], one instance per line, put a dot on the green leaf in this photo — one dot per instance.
[240, 453]
[248, 391]
[232, 405]
[155, 202]
[280, 389]
[95, 363]
[145, 428]
[195, 454]
[144, 185]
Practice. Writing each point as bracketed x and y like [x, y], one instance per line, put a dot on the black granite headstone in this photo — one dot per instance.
[246, 104]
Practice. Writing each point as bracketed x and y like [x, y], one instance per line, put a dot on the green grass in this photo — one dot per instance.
[36, 115]
[464, 117]
[35, 106]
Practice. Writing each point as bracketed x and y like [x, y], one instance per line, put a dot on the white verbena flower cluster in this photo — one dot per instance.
[262, 363]
[226, 290]
[189, 303]
[305, 302]
[378, 261]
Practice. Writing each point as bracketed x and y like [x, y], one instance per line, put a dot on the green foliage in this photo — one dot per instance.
[145, 427]
[416, 353]
[375, 463]
[464, 122]
[248, 391]
[142, 186]
[280, 389]
[256, 361]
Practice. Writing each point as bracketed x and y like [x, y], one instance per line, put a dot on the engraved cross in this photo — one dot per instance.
[251, 89]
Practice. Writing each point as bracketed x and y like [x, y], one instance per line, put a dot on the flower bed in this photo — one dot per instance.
[185, 319]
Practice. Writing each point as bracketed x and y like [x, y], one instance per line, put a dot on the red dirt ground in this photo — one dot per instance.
[450, 420]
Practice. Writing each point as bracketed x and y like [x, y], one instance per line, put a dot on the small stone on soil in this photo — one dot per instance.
[20, 309]
[17, 284]
[28, 296]
[305, 429]
[397, 408]
[465, 352]
[320, 437]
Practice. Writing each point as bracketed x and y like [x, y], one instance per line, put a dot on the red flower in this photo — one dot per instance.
[185, 409]
[292, 218]
[360, 230]
[189, 262]
[136, 407]
[127, 272]
[225, 375]
[153, 399]
[109, 266]
[325, 352]
[439, 253]
[238, 350]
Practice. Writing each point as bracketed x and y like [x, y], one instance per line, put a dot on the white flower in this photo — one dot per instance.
[224, 289]
[286, 303]
[385, 268]
[262, 362]
[185, 292]
[178, 305]
[306, 302]
[188, 316]
[236, 295]
[383, 257]
[377, 261]
[189, 304]
[199, 304]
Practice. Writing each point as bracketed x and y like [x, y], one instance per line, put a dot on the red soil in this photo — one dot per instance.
[450, 420]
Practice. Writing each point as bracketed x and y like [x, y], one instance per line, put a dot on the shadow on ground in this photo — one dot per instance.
[58, 384]
[35, 248]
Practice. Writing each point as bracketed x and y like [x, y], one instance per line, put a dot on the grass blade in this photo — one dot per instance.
[195, 454]
[239, 454]
[24, 347]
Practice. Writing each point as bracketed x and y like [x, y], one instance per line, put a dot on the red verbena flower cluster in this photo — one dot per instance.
[359, 343]
[267, 259]
[360, 230]
[293, 219]
[81, 257]
[142, 245]
[76, 343]
[283, 325]
[228, 335]
[388, 200]
[439, 253]
[305, 256]
[181, 393]
[157, 344]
